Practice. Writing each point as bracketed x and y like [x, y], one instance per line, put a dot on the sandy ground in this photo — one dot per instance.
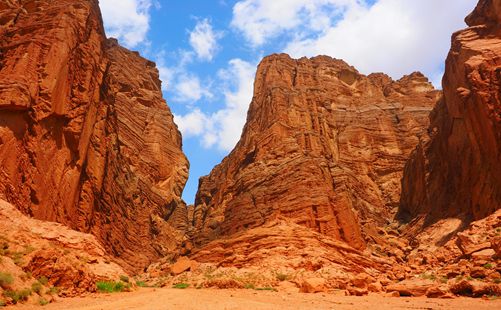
[250, 299]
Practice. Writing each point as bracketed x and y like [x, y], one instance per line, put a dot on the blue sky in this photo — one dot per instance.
[207, 51]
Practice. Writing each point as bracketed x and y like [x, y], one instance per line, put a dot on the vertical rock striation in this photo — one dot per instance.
[323, 145]
[455, 171]
[85, 136]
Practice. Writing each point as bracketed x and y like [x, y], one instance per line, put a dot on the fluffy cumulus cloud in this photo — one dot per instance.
[223, 128]
[127, 20]
[393, 36]
[260, 20]
[203, 40]
[189, 89]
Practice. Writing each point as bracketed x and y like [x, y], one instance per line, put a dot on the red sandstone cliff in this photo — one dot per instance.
[456, 171]
[323, 145]
[85, 136]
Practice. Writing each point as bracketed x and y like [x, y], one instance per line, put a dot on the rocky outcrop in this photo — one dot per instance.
[323, 145]
[85, 136]
[455, 170]
[31, 249]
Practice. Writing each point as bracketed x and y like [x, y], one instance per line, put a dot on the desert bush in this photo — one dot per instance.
[53, 290]
[141, 283]
[6, 279]
[36, 287]
[266, 289]
[281, 276]
[181, 285]
[109, 286]
[43, 301]
[428, 276]
[18, 296]
[43, 280]
[124, 279]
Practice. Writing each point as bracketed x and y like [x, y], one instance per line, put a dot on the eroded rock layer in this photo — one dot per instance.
[455, 171]
[30, 249]
[85, 136]
[323, 145]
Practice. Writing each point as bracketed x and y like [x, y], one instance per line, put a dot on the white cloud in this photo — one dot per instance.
[260, 20]
[182, 85]
[203, 40]
[392, 36]
[189, 89]
[223, 128]
[127, 20]
[193, 123]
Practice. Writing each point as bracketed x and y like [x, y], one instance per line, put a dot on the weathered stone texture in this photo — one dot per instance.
[85, 136]
[323, 145]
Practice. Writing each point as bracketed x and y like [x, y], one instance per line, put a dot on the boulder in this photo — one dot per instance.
[183, 264]
[411, 287]
[313, 285]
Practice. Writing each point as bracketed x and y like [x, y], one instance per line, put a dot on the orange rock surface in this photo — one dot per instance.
[70, 260]
[456, 171]
[323, 145]
[85, 136]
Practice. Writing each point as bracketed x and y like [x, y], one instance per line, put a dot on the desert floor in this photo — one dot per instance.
[149, 298]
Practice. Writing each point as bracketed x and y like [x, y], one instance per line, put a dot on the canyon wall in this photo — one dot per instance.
[85, 136]
[323, 145]
[455, 171]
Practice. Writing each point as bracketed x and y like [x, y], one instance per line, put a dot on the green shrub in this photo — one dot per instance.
[124, 279]
[28, 249]
[181, 285]
[2, 303]
[25, 293]
[488, 266]
[6, 279]
[43, 301]
[18, 296]
[141, 283]
[109, 287]
[266, 289]
[53, 290]
[428, 276]
[43, 280]
[17, 258]
[36, 287]
[249, 286]
[282, 276]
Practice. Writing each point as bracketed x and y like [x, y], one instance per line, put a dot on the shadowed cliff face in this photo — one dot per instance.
[85, 136]
[456, 171]
[323, 145]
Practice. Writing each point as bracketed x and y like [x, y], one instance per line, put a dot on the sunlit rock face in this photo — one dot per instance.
[85, 136]
[456, 171]
[323, 145]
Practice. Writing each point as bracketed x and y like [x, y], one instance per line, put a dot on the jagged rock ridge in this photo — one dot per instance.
[323, 145]
[85, 136]
[455, 171]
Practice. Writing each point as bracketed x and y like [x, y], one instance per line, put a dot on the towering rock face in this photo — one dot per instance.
[456, 171]
[323, 145]
[85, 136]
